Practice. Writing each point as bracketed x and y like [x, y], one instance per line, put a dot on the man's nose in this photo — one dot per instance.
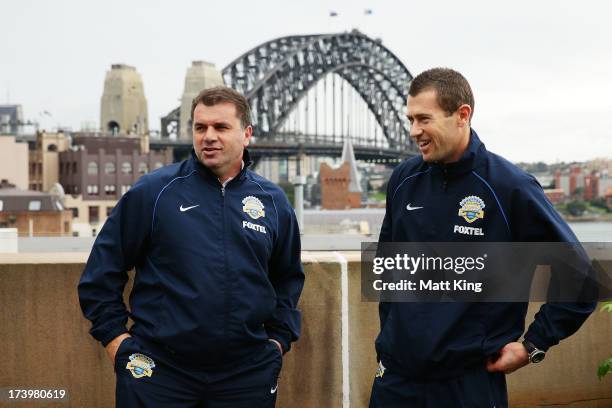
[210, 135]
[415, 130]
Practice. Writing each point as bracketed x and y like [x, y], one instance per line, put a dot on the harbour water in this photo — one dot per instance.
[591, 231]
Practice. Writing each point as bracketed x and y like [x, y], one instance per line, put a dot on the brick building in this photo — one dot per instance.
[33, 213]
[43, 161]
[335, 194]
[97, 170]
[591, 186]
[579, 183]
[555, 195]
[340, 187]
[104, 168]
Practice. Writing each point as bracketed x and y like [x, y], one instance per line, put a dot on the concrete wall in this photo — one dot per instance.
[44, 341]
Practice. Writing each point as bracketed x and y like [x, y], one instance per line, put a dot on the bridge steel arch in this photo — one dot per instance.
[276, 75]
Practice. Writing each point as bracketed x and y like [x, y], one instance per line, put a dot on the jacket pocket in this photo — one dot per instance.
[120, 352]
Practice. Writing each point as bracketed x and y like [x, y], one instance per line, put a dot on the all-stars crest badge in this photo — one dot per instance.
[140, 365]
[471, 208]
[253, 207]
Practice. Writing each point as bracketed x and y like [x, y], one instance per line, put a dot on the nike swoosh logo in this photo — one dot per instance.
[183, 209]
[273, 390]
[410, 208]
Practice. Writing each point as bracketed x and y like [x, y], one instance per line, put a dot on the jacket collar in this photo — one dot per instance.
[198, 165]
[472, 158]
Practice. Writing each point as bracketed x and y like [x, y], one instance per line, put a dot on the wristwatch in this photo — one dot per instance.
[535, 354]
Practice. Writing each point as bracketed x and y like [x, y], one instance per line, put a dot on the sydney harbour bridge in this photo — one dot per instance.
[309, 93]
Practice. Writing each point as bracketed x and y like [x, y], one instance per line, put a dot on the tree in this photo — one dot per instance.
[576, 208]
[578, 192]
[289, 190]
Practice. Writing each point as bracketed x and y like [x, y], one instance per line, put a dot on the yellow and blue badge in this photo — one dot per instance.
[471, 208]
[140, 365]
[253, 207]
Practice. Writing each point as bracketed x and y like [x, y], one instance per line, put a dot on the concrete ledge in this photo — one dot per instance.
[44, 341]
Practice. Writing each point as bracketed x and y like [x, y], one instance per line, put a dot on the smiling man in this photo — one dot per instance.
[216, 250]
[457, 354]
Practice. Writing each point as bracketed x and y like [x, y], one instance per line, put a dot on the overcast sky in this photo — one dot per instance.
[540, 70]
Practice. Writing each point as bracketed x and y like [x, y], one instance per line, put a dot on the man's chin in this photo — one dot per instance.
[428, 158]
[210, 163]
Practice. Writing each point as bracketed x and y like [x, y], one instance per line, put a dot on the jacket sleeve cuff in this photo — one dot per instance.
[536, 340]
[284, 340]
[109, 335]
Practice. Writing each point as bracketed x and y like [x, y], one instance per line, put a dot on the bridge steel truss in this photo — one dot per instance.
[276, 75]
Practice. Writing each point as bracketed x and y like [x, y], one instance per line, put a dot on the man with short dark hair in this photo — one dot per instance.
[216, 250]
[457, 354]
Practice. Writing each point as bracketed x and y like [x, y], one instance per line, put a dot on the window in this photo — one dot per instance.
[92, 168]
[125, 188]
[143, 168]
[109, 168]
[74, 168]
[126, 168]
[75, 212]
[1, 205]
[92, 189]
[34, 205]
[110, 189]
[158, 165]
[94, 216]
[109, 210]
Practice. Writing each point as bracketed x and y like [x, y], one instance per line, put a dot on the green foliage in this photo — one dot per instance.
[579, 191]
[289, 190]
[605, 366]
[378, 196]
[383, 188]
[576, 208]
[600, 203]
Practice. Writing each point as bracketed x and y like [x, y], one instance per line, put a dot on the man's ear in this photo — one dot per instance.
[465, 112]
[248, 132]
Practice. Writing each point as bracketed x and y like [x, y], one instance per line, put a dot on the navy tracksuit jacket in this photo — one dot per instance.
[444, 340]
[218, 269]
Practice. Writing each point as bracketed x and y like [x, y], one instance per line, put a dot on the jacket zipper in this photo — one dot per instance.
[445, 177]
[223, 234]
